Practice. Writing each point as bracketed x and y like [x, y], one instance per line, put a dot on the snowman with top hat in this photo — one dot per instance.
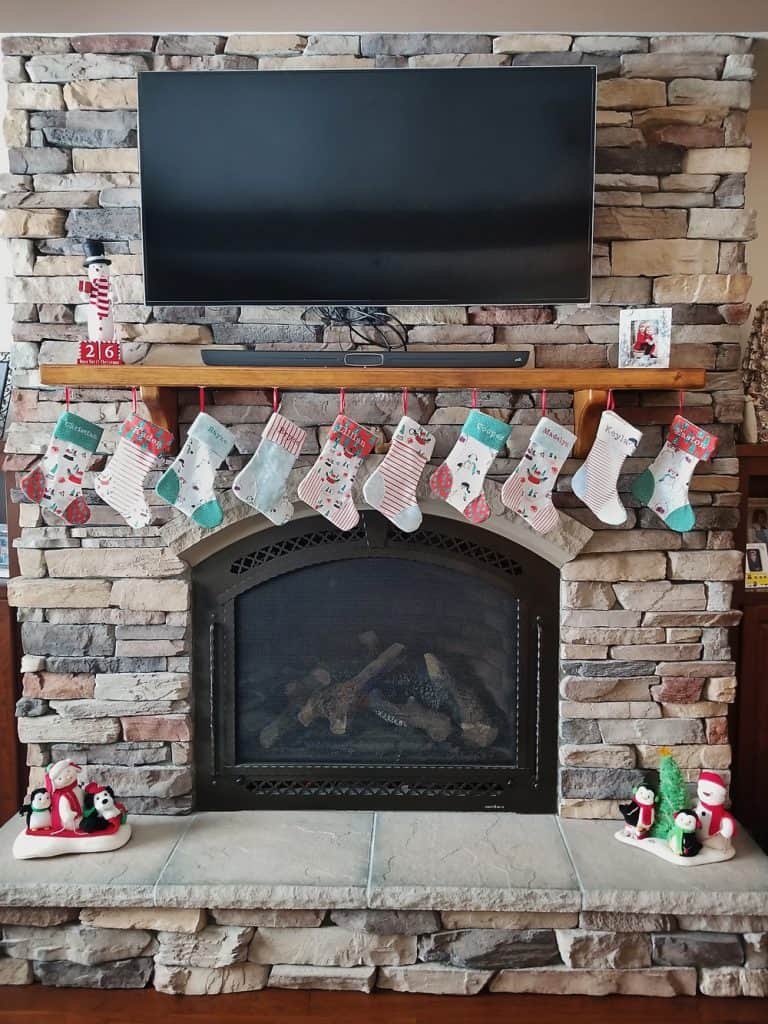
[98, 288]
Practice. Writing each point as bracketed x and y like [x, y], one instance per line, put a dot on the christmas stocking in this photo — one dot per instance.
[188, 483]
[121, 484]
[663, 487]
[262, 483]
[528, 491]
[327, 487]
[459, 480]
[56, 483]
[392, 488]
[595, 482]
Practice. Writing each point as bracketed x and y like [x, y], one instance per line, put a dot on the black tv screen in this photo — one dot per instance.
[380, 187]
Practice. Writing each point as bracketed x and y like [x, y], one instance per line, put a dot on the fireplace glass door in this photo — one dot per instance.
[375, 669]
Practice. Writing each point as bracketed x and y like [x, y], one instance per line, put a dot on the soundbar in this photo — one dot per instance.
[223, 356]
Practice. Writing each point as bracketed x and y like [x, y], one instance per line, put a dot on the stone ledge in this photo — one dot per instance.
[358, 859]
[192, 543]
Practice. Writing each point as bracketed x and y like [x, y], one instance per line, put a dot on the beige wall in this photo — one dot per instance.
[46, 16]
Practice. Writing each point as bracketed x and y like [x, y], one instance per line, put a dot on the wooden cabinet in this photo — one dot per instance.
[749, 716]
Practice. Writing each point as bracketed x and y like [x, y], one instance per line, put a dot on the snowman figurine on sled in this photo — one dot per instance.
[66, 817]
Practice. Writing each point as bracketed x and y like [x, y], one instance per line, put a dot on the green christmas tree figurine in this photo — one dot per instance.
[672, 796]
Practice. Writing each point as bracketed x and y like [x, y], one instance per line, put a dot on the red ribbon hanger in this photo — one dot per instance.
[201, 396]
[405, 401]
[474, 398]
[543, 403]
[342, 400]
[66, 397]
[134, 403]
[275, 399]
[610, 402]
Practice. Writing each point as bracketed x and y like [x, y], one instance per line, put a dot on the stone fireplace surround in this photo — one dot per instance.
[645, 613]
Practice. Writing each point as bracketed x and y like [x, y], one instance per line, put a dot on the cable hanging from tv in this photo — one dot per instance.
[367, 326]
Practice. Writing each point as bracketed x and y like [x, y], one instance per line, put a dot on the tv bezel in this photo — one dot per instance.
[586, 299]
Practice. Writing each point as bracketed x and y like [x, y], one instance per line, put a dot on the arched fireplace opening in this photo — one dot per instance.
[376, 669]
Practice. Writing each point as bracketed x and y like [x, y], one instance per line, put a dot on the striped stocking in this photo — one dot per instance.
[121, 484]
[327, 487]
[595, 482]
[528, 491]
[392, 488]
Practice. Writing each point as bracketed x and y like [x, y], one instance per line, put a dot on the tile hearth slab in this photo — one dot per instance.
[123, 878]
[277, 859]
[446, 861]
[620, 878]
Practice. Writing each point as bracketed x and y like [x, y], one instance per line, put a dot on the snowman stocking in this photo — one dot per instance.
[121, 484]
[663, 487]
[56, 483]
[188, 484]
[595, 482]
[528, 491]
[327, 487]
[262, 483]
[392, 488]
[459, 480]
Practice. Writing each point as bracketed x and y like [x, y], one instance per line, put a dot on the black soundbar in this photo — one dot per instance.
[414, 360]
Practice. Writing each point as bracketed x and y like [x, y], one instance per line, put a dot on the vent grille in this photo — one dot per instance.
[459, 546]
[430, 539]
[289, 546]
[390, 788]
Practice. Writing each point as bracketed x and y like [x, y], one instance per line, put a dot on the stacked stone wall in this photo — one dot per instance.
[198, 952]
[646, 613]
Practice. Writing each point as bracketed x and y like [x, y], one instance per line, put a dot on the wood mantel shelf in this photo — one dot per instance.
[590, 388]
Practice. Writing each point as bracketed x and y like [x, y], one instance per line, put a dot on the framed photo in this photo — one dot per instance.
[644, 338]
[757, 521]
[756, 568]
[756, 564]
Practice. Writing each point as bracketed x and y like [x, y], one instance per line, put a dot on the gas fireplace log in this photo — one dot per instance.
[473, 719]
[337, 702]
[436, 725]
[297, 691]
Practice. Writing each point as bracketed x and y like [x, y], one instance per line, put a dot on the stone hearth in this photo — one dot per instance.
[447, 903]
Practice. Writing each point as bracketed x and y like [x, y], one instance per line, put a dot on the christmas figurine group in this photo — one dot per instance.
[667, 826]
[70, 816]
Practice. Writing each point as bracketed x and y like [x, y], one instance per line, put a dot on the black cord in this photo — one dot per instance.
[386, 331]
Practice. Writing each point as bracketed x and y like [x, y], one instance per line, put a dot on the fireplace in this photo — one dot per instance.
[375, 669]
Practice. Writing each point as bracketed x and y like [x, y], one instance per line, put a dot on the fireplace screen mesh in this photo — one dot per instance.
[376, 661]
[375, 669]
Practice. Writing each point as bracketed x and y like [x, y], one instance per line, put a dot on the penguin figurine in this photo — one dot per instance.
[38, 810]
[684, 841]
[639, 814]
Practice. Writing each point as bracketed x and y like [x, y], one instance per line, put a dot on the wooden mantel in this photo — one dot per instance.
[590, 388]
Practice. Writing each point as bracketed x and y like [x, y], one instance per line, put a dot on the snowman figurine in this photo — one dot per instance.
[98, 288]
[66, 795]
[718, 826]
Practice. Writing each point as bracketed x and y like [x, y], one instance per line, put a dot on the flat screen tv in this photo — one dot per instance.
[380, 187]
